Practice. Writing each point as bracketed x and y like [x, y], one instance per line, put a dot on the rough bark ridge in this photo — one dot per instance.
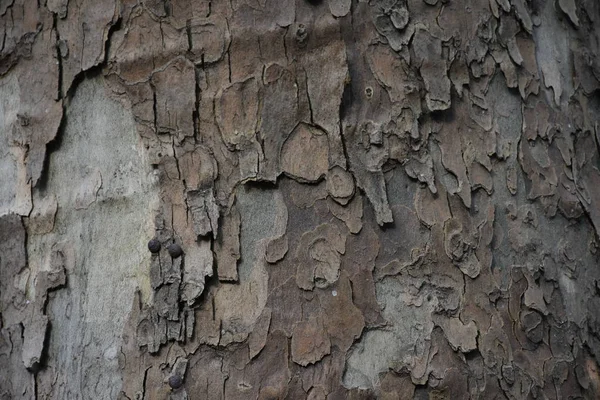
[346, 199]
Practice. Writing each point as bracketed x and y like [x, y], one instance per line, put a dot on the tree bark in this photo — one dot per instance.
[325, 199]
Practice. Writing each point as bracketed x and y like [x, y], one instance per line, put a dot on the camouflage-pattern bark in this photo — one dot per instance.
[268, 199]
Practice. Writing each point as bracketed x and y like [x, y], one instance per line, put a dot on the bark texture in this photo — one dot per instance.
[325, 199]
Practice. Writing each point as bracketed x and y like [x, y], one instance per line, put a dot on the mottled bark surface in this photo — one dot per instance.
[326, 199]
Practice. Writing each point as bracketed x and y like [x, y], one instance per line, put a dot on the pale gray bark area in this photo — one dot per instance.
[100, 177]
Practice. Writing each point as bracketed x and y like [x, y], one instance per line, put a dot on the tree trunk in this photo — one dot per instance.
[268, 199]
